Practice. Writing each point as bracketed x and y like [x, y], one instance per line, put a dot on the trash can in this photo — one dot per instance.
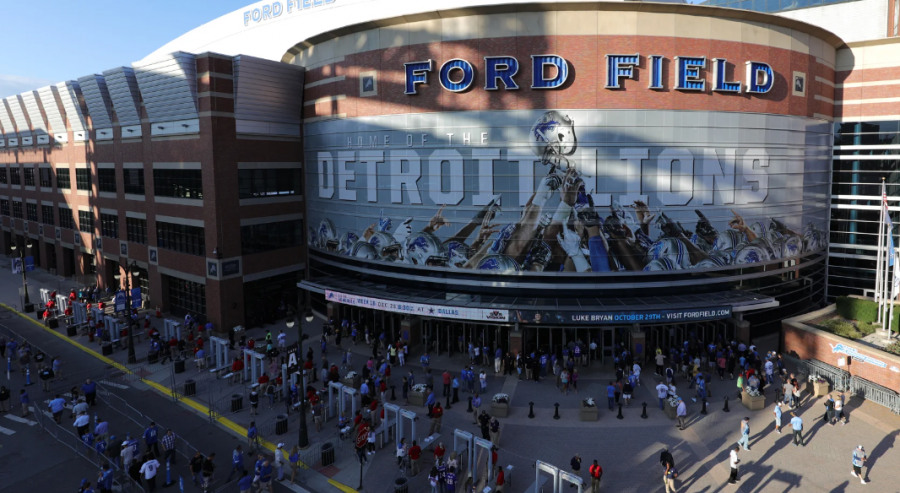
[281, 424]
[39, 314]
[401, 485]
[327, 454]
[107, 349]
[53, 323]
[152, 357]
[29, 308]
[179, 366]
[190, 387]
[72, 330]
[237, 402]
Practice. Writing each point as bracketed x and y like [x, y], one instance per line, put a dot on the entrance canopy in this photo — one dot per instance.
[532, 310]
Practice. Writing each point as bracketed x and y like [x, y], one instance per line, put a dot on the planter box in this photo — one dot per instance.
[499, 410]
[355, 382]
[756, 403]
[416, 398]
[671, 412]
[589, 413]
[818, 389]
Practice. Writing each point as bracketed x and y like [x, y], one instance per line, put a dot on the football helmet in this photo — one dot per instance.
[313, 240]
[660, 264]
[327, 232]
[712, 262]
[347, 241]
[813, 239]
[458, 254]
[502, 238]
[539, 255]
[382, 242]
[767, 247]
[750, 254]
[364, 250]
[553, 135]
[499, 263]
[788, 245]
[421, 246]
[669, 248]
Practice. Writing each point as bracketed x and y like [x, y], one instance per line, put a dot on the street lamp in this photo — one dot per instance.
[134, 270]
[28, 306]
[292, 319]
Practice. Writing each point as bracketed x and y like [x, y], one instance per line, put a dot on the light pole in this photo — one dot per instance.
[133, 270]
[28, 307]
[292, 318]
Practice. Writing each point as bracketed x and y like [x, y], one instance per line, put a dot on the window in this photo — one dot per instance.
[4, 176]
[106, 178]
[137, 230]
[66, 220]
[4, 207]
[62, 179]
[17, 209]
[134, 181]
[181, 238]
[47, 215]
[186, 296]
[29, 176]
[14, 176]
[46, 177]
[271, 236]
[83, 179]
[85, 222]
[180, 183]
[269, 182]
[109, 225]
[31, 212]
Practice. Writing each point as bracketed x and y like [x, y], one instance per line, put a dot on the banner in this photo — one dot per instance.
[16, 263]
[436, 311]
[121, 301]
[293, 358]
[620, 317]
[531, 193]
[136, 299]
[29, 263]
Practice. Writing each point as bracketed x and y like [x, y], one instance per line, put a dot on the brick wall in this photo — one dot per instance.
[802, 341]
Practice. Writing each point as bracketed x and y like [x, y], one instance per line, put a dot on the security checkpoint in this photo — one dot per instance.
[411, 416]
[333, 388]
[79, 313]
[254, 365]
[486, 446]
[62, 303]
[171, 329]
[390, 410]
[348, 394]
[540, 466]
[464, 443]
[218, 348]
[568, 477]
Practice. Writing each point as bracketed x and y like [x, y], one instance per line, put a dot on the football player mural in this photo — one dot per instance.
[560, 229]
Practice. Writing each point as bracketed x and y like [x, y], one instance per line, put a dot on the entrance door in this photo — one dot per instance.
[607, 346]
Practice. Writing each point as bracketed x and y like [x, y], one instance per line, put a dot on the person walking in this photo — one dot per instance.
[148, 469]
[611, 396]
[252, 438]
[209, 467]
[662, 391]
[575, 463]
[168, 441]
[669, 478]
[476, 403]
[196, 466]
[829, 410]
[237, 463]
[46, 376]
[797, 426]
[437, 414]
[681, 414]
[777, 413]
[859, 460]
[495, 431]
[733, 461]
[744, 441]
[839, 409]
[90, 392]
[415, 452]
[150, 437]
[596, 473]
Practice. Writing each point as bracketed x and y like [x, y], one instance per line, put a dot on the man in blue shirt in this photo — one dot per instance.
[245, 483]
[265, 476]
[455, 385]
[430, 402]
[425, 360]
[252, 435]
[237, 463]
[100, 447]
[90, 392]
[105, 479]
[101, 429]
[797, 426]
[611, 395]
[57, 406]
[544, 360]
[151, 437]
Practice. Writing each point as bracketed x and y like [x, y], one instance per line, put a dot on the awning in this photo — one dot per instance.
[533, 310]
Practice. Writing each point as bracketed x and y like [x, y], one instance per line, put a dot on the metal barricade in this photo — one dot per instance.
[838, 379]
[871, 391]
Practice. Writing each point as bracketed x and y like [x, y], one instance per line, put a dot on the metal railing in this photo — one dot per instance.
[838, 379]
[871, 391]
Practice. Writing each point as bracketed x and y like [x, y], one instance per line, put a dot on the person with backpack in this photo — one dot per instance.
[596, 472]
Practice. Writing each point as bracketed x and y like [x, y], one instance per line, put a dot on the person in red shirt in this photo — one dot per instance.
[72, 296]
[414, 453]
[251, 343]
[101, 306]
[237, 370]
[357, 419]
[493, 456]
[439, 452]
[264, 379]
[278, 380]
[596, 472]
[373, 406]
[199, 342]
[68, 311]
[501, 478]
[88, 308]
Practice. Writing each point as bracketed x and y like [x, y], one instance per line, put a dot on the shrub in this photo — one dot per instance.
[866, 328]
[893, 348]
[841, 328]
[863, 311]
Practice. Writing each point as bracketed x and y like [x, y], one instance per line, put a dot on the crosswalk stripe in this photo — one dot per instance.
[113, 384]
[46, 413]
[6, 431]
[21, 420]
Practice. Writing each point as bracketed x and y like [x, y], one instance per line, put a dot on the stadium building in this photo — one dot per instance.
[518, 173]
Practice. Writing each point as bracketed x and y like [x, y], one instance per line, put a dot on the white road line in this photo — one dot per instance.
[21, 420]
[46, 413]
[113, 384]
[6, 431]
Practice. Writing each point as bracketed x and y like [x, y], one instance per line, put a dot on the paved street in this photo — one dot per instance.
[627, 449]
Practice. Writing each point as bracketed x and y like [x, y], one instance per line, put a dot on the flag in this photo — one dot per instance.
[890, 230]
[895, 283]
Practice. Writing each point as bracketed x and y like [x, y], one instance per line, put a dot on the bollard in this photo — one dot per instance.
[531, 410]
[703, 411]
[470, 405]
[777, 394]
[726, 405]
[393, 396]
[28, 377]
[620, 412]
[169, 481]
[644, 413]
[556, 413]
[447, 406]
[8, 367]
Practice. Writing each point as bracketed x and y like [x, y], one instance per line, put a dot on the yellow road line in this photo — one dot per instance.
[227, 423]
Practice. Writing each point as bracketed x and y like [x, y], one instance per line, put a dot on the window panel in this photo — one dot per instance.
[86, 222]
[14, 176]
[4, 176]
[83, 179]
[186, 296]
[29, 176]
[47, 215]
[181, 238]
[254, 183]
[46, 177]
[271, 236]
[134, 181]
[63, 180]
[106, 180]
[4, 207]
[17, 209]
[109, 225]
[31, 212]
[137, 230]
[179, 183]
[66, 219]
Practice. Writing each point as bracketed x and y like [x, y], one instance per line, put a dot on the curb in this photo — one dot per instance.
[166, 391]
